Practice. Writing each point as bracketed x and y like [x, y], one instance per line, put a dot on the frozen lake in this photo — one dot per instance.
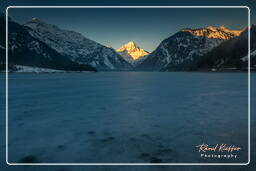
[125, 117]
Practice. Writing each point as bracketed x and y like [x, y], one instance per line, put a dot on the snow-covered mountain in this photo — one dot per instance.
[76, 46]
[182, 50]
[25, 50]
[132, 53]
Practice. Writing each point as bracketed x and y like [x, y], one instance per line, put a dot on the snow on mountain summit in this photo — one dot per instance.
[214, 32]
[133, 50]
[132, 53]
[74, 45]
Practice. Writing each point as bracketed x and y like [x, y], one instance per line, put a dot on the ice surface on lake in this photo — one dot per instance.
[137, 117]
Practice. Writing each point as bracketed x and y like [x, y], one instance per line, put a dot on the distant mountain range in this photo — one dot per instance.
[38, 44]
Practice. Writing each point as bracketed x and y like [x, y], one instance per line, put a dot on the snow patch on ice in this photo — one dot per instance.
[21, 68]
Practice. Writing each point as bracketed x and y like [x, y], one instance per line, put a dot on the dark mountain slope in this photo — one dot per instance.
[23, 49]
[230, 54]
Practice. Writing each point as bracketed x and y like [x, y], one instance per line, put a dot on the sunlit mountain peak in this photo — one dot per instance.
[132, 49]
[214, 32]
[131, 52]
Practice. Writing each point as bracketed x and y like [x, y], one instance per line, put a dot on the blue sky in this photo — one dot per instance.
[147, 27]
